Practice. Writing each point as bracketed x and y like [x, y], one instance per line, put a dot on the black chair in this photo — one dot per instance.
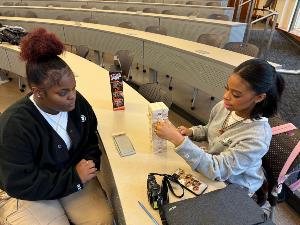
[127, 25]
[132, 9]
[154, 93]
[214, 4]
[243, 48]
[63, 17]
[125, 59]
[150, 10]
[86, 6]
[280, 149]
[82, 51]
[218, 17]
[21, 4]
[193, 3]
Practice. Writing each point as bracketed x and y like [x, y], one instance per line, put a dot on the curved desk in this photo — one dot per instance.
[124, 178]
[177, 26]
[201, 2]
[197, 10]
[200, 66]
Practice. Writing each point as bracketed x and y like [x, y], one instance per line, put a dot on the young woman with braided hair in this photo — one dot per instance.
[238, 132]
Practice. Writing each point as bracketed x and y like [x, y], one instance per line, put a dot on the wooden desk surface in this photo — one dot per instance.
[130, 173]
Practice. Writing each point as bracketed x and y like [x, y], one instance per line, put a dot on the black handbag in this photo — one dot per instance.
[11, 34]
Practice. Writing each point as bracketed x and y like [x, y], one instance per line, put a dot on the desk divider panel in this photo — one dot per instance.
[201, 10]
[17, 66]
[191, 30]
[71, 4]
[104, 41]
[202, 2]
[114, 19]
[4, 63]
[195, 70]
[183, 10]
[52, 13]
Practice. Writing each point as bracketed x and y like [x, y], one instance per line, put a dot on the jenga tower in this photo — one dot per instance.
[157, 111]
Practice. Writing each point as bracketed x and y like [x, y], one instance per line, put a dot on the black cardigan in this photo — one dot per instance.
[34, 161]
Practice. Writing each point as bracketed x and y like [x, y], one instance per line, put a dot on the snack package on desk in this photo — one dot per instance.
[190, 182]
[116, 84]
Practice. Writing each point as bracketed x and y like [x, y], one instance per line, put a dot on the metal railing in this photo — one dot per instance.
[267, 18]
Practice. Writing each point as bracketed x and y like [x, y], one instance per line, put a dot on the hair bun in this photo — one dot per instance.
[40, 44]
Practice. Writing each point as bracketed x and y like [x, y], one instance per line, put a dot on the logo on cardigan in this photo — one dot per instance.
[83, 118]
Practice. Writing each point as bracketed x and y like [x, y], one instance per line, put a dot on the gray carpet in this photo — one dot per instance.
[286, 52]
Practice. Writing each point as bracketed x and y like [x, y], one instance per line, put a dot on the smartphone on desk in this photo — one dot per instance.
[190, 182]
[123, 144]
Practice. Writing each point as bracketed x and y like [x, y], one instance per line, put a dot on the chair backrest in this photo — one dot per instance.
[132, 9]
[63, 17]
[210, 39]
[180, 2]
[280, 149]
[218, 17]
[29, 14]
[9, 13]
[86, 6]
[193, 3]
[213, 4]
[243, 48]
[53, 5]
[90, 20]
[156, 30]
[154, 93]
[128, 25]
[82, 51]
[21, 4]
[192, 14]
[106, 7]
[168, 12]
[8, 3]
[125, 59]
[150, 10]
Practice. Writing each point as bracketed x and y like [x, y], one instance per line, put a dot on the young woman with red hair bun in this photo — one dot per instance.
[49, 152]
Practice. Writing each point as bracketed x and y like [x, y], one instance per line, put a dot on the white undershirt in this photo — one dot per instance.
[58, 122]
[233, 118]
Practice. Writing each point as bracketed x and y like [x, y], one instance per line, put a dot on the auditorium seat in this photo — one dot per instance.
[218, 17]
[128, 25]
[86, 6]
[106, 7]
[243, 48]
[168, 12]
[29, 14]
[150, 10]
[21, 4]
[193, 3]
[131, 9]
[213, 4]
[90, 20]
[63, 17]
[154, 93]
